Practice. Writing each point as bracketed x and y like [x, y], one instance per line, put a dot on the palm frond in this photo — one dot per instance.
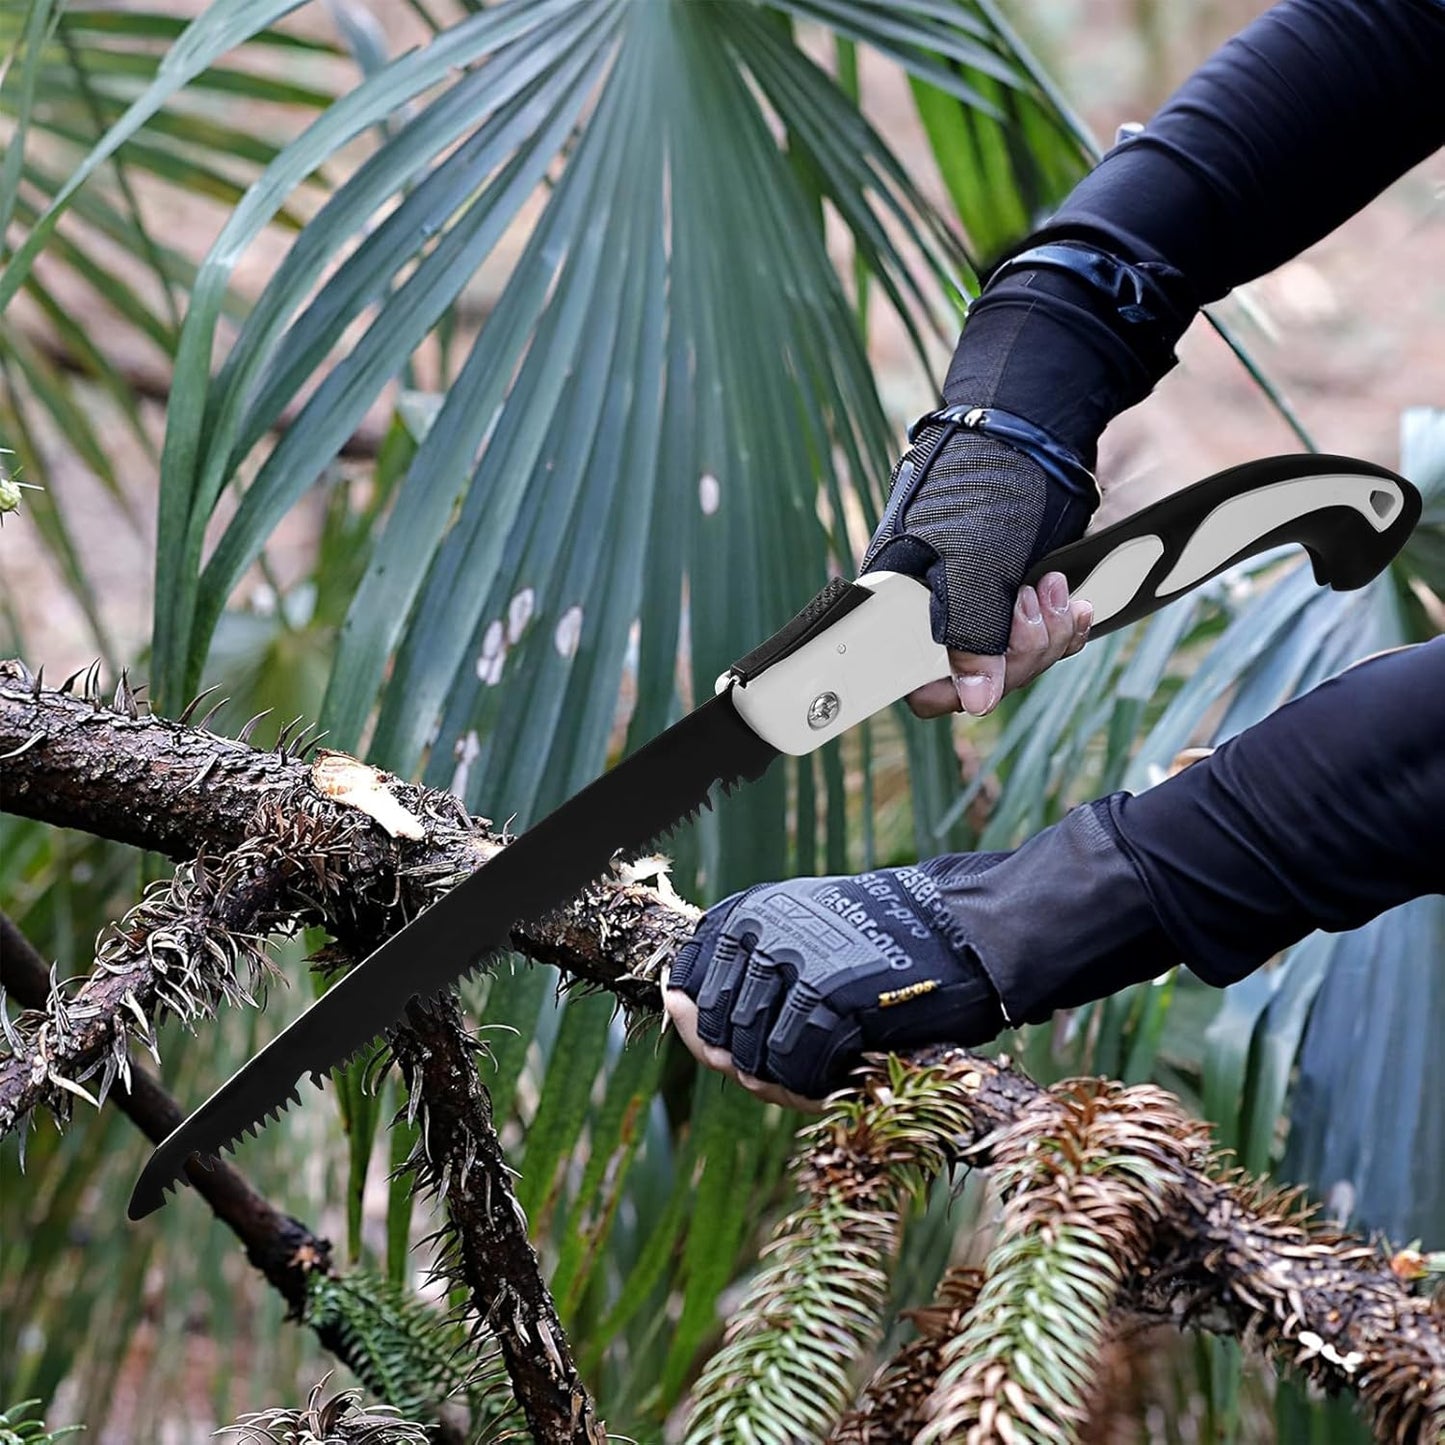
[785, 1368]
[408, 1354]
[893, 1404]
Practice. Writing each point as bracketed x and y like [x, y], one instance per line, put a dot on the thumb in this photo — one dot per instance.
[975, 686]
[978, 678]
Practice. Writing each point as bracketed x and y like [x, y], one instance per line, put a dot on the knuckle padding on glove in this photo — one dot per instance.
[718, 989]
[754, 1011]
[808, 1044]
[795, 980]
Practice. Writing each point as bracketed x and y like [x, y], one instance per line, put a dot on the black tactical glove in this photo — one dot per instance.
[797, 980]
[970, 512]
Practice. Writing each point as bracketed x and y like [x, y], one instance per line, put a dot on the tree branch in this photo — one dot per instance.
[181, 790]
[359, 884]
[1228, 1258]
[282, 1248]
[486, 1248]
[192, 941]
[285, 1252]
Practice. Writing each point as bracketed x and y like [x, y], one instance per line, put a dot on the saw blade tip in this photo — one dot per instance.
[150, 1191]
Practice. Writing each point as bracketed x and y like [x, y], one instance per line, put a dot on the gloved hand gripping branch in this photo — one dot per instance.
[795, 980]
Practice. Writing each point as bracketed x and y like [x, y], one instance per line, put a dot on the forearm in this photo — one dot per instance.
[1284, 133]
[1289, 129]
[1325, 814]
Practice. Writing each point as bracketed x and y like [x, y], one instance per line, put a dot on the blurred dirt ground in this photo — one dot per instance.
[1352, 332]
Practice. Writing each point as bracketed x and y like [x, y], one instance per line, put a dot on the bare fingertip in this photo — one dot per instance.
[1054, 590]
[977, 693]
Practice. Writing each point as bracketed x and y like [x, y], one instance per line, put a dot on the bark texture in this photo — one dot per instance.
[295, 856]
[1225, 1256]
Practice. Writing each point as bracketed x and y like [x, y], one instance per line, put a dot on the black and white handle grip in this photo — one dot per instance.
[858, 646]
[1351, 516]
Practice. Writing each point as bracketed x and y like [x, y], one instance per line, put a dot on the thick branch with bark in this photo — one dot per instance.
[283, 1249]
[486, 1248]
[1224, 1258]
[297, 856]
[182, 790]
[279, 1246]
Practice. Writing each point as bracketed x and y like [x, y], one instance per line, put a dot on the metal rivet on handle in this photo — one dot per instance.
[823, 709]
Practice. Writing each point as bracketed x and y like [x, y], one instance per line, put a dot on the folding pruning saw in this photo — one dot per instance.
[855, 648]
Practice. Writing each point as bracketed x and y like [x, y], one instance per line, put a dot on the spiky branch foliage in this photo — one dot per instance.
[483, 1248]
[891, 1407]
[195, 941]
[785, 1369]
[292, 856]
[1088, 1171]
[409, 1355]
[337, 1420]
[1249, 1259]
[185, 948]
[16, 1428]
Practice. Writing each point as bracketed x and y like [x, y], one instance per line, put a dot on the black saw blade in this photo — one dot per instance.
[659, 786]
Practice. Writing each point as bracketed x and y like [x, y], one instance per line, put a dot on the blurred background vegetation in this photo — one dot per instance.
[480, 380]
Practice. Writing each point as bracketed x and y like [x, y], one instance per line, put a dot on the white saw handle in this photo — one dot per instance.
[859, 646]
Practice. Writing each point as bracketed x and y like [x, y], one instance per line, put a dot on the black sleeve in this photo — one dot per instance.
[1325, 814]
[1285, 132]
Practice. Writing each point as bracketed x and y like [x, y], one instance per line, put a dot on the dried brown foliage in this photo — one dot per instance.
[1110, 1183]
[890, 1410]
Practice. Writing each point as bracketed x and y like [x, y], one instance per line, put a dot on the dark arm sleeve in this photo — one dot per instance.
[1325, 814]
[1285, 132]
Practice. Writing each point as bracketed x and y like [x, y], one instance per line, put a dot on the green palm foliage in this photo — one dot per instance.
[584, 257]
[17, 1427]
[72, 72]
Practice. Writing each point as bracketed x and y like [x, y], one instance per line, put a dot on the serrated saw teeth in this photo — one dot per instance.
[660, 786]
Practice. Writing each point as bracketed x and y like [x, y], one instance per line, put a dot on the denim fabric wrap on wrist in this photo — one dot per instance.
[1068, 336]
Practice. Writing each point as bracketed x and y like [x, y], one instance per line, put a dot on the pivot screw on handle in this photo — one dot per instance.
[823, 708]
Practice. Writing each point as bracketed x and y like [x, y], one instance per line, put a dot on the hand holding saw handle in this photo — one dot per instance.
[859, 646]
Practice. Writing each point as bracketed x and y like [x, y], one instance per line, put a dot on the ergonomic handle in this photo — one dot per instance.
[858, 646]
[1351, 516]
